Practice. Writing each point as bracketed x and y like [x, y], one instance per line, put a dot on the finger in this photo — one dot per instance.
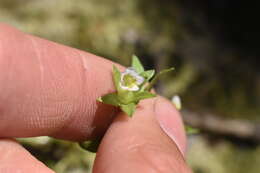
[139, 144]
[14, 158]
[50, 89]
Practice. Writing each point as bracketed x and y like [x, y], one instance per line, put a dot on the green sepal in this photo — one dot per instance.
[137, 65]
[116, 77]
[143, 95]
[110, 99]
[126, 97]
[128, 109]
[91, 145]
[148, 74]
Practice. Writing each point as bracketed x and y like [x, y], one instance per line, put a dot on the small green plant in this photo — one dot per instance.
[132, 85]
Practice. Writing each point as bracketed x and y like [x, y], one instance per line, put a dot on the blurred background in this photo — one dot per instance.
[214, 46]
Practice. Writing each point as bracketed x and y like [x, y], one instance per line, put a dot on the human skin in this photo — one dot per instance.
[50, 89]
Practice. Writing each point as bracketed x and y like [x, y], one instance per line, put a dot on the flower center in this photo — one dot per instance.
[129, 80]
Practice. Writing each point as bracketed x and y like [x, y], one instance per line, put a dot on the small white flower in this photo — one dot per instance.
[130, 80]
[176, 100]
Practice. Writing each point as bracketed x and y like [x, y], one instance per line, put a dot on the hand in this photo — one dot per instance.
[50, 89]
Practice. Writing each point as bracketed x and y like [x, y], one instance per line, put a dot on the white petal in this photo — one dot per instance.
[139, 79]
[133, 88]
[133, 73]
[129, 69]
[124, 87]
[176, 101]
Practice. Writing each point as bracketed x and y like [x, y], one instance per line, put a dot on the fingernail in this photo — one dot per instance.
[171, 123]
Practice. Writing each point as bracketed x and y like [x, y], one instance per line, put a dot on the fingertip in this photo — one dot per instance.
[138, 143]
[14, 158]
[171, 122]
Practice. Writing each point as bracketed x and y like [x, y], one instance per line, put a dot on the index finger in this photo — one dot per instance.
[50, 89]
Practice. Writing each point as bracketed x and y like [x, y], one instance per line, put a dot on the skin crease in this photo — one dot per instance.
[54, 90]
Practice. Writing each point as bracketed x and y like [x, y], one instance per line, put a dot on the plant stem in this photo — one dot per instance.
[155, 79]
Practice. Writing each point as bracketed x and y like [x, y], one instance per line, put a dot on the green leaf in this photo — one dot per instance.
[116, 77]
[91, 145]
[143, 95]
[148, 74]
[110, 99]
[128, 109]
[136, 64]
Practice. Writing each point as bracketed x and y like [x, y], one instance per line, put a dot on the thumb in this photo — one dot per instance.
[140, 144]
